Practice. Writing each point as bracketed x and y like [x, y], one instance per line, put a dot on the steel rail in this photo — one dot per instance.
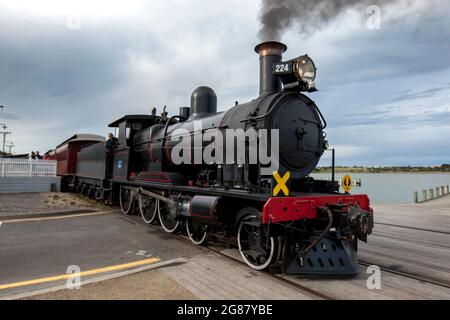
[209, 248]
[409, 275]
[412, 228]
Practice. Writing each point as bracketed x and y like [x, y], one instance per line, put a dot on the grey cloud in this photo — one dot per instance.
[58, 81]
[395, 115]
[8, 116]
[428, 93]
[391, 144]
[57, 61]
[410, 47]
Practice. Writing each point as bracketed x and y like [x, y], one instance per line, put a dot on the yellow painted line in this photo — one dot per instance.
[56, 217]
[81, 274]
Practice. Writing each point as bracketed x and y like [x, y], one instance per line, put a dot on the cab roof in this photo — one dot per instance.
[134, 117]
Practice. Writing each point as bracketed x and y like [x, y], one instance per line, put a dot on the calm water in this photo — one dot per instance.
[392, 187]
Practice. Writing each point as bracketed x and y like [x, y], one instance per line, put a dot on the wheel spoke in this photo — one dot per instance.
[126, 200]
[169, 224]
[148, 208]
[254, 246]
[196, 232]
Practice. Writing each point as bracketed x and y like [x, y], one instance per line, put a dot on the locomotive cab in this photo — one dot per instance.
[125, 163]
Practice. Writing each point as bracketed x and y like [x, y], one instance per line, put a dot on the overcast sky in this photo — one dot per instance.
[74, 66]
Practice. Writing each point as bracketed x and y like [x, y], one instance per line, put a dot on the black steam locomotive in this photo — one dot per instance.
[283, 217]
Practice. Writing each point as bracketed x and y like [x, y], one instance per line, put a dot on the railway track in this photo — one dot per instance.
[279, 279]
[410, 275]
[320, 295]
[412, 228]
[215, 250]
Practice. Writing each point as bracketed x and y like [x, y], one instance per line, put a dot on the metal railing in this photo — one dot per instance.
[431, 194]
[10, 167]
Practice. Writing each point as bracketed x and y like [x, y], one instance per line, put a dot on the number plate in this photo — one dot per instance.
[282, 68]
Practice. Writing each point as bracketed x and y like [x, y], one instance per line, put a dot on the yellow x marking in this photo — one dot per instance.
[281, 183]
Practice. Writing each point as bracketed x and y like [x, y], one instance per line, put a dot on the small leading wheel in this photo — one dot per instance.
[197, 232]
[91, 193]
[256, 248]
[84, 190]
[126, 200]
[148, 207]
[98, 194]
[169, 221]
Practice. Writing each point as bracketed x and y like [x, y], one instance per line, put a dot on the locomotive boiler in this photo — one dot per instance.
[296, 117]
[242, 174]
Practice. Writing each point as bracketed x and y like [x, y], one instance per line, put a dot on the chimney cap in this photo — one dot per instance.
[270, 48]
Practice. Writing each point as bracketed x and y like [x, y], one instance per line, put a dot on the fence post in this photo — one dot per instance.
[431, 191]
[31, 168]
[448, 189]
[437, 192]
[424, 194]
[416, 197]
[442, 190]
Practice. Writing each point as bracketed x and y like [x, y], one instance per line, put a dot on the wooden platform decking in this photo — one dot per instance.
[410, 243]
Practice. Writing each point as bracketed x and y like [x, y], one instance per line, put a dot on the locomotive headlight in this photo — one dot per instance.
[305, 69]
[296, 74]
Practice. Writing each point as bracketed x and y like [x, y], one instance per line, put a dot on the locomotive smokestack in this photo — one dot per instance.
[270, 52]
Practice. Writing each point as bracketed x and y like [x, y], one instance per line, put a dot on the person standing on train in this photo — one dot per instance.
[110, 145]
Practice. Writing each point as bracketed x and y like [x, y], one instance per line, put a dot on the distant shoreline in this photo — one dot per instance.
[388, 172]
[445, 168]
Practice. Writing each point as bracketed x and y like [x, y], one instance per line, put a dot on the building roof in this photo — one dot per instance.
[19, 156]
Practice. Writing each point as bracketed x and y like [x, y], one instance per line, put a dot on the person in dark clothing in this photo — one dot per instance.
[110, 145]
[38, 156]
[33, 155]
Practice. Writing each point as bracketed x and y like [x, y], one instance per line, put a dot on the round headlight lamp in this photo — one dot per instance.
[304, 69]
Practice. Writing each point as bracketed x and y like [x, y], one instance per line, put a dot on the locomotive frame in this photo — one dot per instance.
[313, 229]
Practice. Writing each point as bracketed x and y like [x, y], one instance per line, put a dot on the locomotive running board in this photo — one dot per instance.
[330, 256]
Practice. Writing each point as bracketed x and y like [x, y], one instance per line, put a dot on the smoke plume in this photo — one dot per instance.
[309, 15]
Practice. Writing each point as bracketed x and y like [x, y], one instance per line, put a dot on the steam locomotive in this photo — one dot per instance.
[282, 217]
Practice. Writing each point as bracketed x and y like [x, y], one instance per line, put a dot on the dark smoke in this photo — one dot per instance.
[309, 15]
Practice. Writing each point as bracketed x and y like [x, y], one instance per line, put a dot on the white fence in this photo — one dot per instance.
[27, 168]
